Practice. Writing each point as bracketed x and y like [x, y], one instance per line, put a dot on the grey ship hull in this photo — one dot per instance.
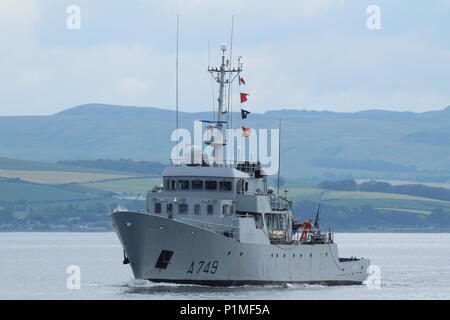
[204, 257]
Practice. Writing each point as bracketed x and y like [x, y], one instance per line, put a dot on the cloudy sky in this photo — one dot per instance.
[310, 54]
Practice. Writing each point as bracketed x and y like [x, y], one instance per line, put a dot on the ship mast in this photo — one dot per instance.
[216, 127]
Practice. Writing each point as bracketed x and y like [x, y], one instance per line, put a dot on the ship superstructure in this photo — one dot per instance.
[217, 222]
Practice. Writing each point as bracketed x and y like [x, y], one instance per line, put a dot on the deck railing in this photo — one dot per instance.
[313, 236]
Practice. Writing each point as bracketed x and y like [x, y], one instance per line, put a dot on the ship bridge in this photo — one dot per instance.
[223, 199]
[202, 171]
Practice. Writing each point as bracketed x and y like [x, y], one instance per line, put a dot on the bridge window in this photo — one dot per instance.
[157, 207]
[197, 185]
[197, 209]
[169, 208]
[211, 185]
[173, 185]
[183, 184]
[225, 185]
[182, 208]
[210, 209]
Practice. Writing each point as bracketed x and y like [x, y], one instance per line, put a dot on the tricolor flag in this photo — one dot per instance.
[245, 132]
[241, 80]
[244, 97]
[244, 113]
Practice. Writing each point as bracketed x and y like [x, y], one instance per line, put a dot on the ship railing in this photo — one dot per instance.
[157, 189]
[246, 166]
[313, 237]
[228, 230]
[279, 203]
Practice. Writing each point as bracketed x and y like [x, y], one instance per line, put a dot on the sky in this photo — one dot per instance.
[297, 54]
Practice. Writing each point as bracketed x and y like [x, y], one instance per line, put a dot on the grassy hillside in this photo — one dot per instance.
[49, 173]
[327, 195]
[382, 202]
[16, 191]
[85, 206]
[316, 145]
[25, 165]
[131, 185]
[56, 177]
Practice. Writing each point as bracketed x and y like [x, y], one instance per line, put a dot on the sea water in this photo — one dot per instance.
[43, 266]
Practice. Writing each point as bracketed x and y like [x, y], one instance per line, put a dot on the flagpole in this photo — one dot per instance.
[176, 86]
[212, 86]
[230, 116]
[279, 156]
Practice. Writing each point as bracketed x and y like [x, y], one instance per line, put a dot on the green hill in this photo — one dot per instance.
[48, 173]
[16, 164]
[372, 144]
[130, 185]
[378, 200]
[15, 191]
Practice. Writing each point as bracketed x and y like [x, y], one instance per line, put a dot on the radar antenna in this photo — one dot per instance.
[216, 127]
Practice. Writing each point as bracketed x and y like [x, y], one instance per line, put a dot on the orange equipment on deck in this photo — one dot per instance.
[307, 225]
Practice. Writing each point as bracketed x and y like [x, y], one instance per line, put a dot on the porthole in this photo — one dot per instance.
[284, 255]
[310, 255]
[293, 256]
[229, 252]
[241, 254]
[271, 255]
[276, 255]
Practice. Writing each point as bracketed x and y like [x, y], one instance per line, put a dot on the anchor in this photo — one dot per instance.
[125, 258]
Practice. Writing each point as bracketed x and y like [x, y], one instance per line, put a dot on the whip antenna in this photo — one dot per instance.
[230, 116]
[176, 86]
[279, 156]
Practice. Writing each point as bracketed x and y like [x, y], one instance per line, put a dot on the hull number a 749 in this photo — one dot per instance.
[208, 267]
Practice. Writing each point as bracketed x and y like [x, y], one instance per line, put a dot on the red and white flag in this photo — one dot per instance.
[244, 97]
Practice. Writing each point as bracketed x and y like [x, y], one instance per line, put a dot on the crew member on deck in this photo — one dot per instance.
[307, 225]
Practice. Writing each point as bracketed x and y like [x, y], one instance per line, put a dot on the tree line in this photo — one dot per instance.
[24, 215]
[126, 165]
[418, 190]
[365, 216]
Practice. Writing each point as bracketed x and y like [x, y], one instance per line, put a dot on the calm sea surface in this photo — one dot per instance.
[34, 266]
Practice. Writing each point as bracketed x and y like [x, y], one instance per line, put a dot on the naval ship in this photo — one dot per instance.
[218, 223]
